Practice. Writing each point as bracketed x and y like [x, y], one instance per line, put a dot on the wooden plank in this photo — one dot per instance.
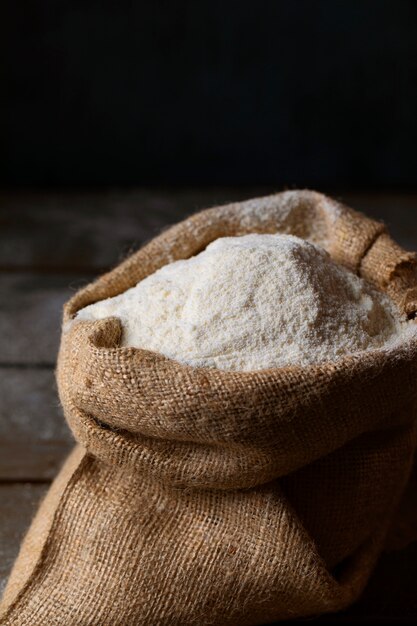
[57, 233]
[70, 231]
[18, 504]
[67, 232]
[34, 437]
[30, 315]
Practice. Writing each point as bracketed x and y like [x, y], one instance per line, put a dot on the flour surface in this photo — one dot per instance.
[253, 302]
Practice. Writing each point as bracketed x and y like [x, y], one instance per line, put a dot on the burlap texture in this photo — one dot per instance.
[199, 496]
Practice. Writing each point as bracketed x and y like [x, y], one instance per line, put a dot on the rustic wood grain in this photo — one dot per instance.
[50, 245]
[18, 504]
[30, 315]
[62, 232]
[34, 437]
[69, 232]
[53, 238]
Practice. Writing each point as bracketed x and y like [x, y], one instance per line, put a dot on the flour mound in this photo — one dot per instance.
[253, 302]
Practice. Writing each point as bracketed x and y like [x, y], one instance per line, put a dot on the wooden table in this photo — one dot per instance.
[50, 245]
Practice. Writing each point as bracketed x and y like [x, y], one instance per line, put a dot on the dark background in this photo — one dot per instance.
[236, 92]
[120, 118]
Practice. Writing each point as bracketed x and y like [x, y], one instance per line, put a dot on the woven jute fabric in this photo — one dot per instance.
[200, 496]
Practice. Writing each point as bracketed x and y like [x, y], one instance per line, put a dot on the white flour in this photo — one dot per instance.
[253, 302]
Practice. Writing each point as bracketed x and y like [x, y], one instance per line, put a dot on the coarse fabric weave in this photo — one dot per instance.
[200, 496]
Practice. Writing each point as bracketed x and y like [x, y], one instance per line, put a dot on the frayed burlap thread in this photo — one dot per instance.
[198, 496]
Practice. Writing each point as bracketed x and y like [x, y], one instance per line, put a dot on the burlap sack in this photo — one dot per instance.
[199, 496]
